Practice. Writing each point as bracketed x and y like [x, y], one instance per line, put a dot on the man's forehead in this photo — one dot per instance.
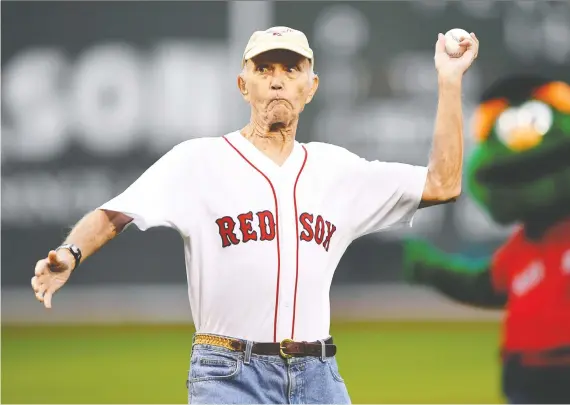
[279, 56]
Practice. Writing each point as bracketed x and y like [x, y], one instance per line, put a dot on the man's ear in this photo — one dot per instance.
[315, 86]
[242, 88]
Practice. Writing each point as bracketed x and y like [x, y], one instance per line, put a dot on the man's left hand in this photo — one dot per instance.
[454, 68]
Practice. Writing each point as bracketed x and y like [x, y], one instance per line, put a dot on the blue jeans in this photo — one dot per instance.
[221, 376]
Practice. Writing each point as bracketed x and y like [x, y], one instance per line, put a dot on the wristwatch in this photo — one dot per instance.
[75, 251]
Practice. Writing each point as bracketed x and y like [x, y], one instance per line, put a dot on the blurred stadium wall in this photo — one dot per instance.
[93, 93]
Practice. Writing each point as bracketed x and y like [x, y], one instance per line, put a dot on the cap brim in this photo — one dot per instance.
[258, 50]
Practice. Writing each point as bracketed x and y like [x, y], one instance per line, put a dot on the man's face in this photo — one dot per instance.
[278, 84]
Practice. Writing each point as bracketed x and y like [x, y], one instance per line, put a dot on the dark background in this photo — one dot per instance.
[89, 102]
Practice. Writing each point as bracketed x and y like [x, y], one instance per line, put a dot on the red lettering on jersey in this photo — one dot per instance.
[319, 230]
[226, 227]
[266, 225]
[307, 223]
[245, 227]
[330, 231]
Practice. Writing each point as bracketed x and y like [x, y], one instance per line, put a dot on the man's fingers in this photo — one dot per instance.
[471, 45]
[40, 267]
[40, 292]
[42, 282]
[35, 284]
[52, 257]
[47, 298]
[440, 44]
[44, 279]
[475, 45]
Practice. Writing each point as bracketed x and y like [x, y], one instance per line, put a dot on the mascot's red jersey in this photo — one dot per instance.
[536, 277]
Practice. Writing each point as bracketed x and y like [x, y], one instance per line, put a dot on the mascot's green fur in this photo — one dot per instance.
[519, 173]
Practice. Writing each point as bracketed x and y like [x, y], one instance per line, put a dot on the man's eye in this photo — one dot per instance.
[292, 69]
[262, 68]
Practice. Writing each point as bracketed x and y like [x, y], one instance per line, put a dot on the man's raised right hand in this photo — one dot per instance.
[51, 274]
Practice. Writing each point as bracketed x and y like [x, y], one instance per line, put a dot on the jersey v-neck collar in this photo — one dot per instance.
[262, 162]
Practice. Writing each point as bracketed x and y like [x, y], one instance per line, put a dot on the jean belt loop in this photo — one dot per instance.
[248, 348]
[323, 350]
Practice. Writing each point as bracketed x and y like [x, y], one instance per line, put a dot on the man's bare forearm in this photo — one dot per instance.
[96, 229]
[446, 160]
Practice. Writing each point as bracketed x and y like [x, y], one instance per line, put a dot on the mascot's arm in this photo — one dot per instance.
[461, 279]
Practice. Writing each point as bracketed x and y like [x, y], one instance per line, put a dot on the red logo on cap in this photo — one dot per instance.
[278, 31]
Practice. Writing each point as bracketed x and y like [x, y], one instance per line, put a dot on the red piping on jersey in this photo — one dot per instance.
[297, 237]
[276, 233]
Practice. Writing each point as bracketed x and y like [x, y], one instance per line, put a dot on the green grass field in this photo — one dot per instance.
[386, 362]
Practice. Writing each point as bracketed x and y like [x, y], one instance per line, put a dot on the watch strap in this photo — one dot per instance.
[74, 250]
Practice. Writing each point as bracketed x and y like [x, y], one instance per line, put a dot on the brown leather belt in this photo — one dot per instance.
[286, 348]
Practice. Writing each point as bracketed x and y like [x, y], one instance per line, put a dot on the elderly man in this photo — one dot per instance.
[265, 221]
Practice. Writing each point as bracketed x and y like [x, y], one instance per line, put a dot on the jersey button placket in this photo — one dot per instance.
[284, 192]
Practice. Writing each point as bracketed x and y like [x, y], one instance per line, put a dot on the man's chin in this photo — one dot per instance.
[280, 120]
[277, 126]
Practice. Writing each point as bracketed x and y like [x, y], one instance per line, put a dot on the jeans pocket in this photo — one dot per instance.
[213, 367]
[333, 367]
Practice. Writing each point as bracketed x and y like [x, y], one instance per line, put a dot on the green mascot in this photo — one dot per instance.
[520, 174]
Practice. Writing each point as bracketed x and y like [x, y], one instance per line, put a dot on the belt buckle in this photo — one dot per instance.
[281, 347]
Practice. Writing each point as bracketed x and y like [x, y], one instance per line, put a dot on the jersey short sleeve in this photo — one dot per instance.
[384, 194]
[375, 195]
[154, 199]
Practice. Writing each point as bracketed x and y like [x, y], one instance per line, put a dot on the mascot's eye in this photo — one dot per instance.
[537, 115]
[533, 115]
[506, 123]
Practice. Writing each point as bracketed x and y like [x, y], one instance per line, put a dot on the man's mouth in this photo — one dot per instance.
[280, 101]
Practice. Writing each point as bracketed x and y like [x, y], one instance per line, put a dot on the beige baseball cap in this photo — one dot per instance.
[278, 38]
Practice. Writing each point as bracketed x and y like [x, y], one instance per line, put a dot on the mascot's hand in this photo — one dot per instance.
[419, 257]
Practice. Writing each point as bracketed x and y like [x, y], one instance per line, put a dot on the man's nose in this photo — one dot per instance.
[277, 80]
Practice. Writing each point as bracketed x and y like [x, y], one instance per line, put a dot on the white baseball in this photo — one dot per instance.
[452, 39]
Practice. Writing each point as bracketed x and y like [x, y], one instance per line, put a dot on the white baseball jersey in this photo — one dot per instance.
[262, 241]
